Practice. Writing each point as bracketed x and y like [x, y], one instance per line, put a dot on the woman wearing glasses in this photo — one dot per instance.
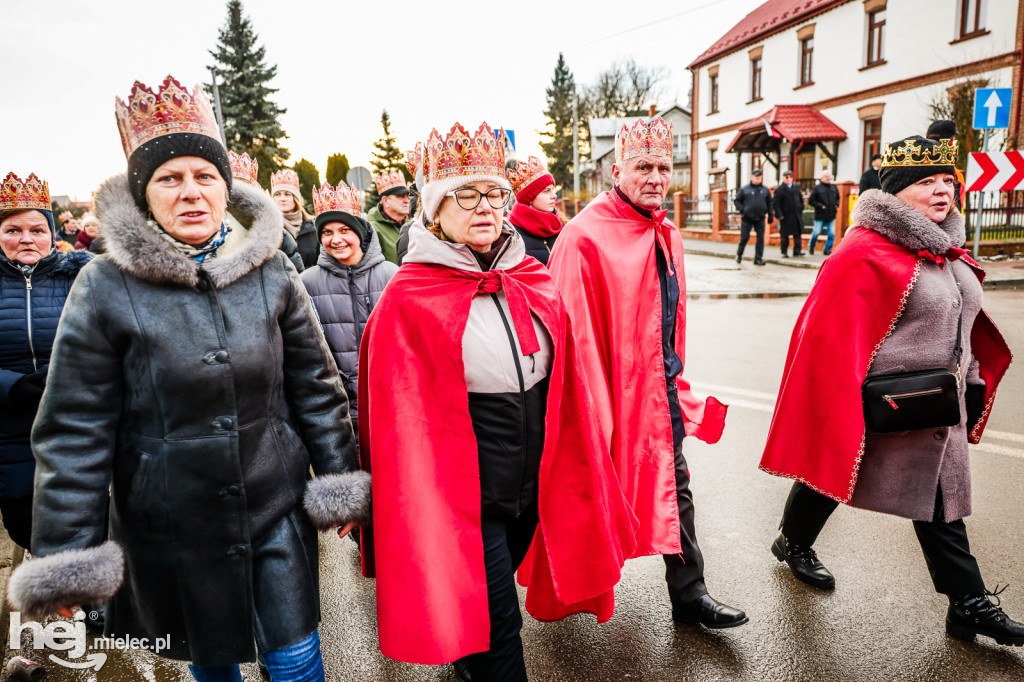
[478, 427]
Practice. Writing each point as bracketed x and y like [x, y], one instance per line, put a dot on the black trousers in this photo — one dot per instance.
[684, 572]
[784, 238]
[947, 551]
[745, 227]
[505, 544]
[17, 517]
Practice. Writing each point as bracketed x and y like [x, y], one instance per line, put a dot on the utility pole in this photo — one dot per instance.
[981, 202]
[575, 148]
[216, 106]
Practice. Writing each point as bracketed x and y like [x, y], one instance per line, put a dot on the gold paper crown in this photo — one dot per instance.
[344, 198]
[525, 173]
[911, 153]
[244, 168]
[389, 180]
[171, 109]
[458, 154]
[414, 160]
[644, 139]
[287, 180]
[30, 193]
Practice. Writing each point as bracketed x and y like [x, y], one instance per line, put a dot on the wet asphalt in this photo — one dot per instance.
[882, 622]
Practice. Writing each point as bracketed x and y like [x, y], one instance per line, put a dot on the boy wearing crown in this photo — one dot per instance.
[391, 213]
[619, 267]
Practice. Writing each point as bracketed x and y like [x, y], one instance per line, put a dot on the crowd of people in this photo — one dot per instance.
[483, 396]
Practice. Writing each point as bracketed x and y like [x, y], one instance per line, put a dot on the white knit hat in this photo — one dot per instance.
[433, 193]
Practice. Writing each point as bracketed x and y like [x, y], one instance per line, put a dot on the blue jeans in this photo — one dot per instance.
[299, 662]
[830, 225]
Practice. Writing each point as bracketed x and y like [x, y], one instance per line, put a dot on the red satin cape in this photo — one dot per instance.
[417, 440]
[604, 266]
[817, 431]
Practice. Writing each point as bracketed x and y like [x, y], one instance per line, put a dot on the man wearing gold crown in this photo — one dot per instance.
[391, 213]
[911, 317]
[619, 267]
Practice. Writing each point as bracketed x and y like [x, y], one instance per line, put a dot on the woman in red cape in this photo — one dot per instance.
[890, 300]
[481, 435]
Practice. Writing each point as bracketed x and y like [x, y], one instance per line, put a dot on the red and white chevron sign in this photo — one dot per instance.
[995, 171]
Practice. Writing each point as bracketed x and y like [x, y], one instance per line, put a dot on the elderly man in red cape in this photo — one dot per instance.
[619, 268]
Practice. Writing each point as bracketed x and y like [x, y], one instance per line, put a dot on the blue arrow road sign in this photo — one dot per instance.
[992, 108]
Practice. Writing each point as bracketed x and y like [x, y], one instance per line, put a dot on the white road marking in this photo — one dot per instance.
[713, 388]
[998, 449]
[1004, 435]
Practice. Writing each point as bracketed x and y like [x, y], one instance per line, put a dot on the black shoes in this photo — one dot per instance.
[739, 259]
[804, 564]
[461, 670]
[758, 261]
[798, 254]
[708, 612]
[970, 615]
[786, 255]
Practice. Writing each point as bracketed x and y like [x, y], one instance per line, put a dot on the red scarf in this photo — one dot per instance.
[416, 436]
[538, 223]
[817, 431]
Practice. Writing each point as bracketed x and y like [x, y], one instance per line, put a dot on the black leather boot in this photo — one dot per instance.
[708, 612]
[803, 562]
[970, 615]
[461, 670]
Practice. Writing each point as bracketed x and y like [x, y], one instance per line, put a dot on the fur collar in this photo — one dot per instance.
[136, 248]
[899, 223]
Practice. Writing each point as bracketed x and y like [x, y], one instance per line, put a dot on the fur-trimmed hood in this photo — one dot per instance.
[136, 248]
[899, 223]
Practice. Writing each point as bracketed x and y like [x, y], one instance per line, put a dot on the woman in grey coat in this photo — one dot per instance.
[899, 295]
[189, 395]
[348, 279]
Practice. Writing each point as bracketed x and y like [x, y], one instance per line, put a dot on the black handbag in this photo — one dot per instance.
[925, 399]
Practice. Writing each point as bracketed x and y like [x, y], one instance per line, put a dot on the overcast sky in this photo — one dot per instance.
[62, 63]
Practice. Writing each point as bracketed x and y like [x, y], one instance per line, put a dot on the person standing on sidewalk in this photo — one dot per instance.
[869, 180]
[619, 267]
[388, 216]
[825, 200]
[788, 205]
[753, 203]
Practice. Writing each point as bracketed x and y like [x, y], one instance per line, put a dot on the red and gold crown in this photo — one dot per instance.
[458, 154]
[287, 180]
[388, 180]
[244, 168]
[171, 109]
[527, 172]
[414, 160]
[911, 153]
[344, 198]
[31, 192]
[644, 139]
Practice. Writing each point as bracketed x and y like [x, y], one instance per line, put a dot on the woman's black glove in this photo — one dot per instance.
[28, 390]
[975, 400]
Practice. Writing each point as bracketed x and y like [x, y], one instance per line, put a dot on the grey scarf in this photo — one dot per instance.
[293, 221]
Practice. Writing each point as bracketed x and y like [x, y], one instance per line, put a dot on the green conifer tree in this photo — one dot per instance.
[309, 177]
[387, 157]
[337, 168]
[250, 116]
[558, 148]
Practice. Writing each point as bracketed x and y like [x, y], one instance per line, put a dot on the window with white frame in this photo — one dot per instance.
[971, 18]
[876, 37]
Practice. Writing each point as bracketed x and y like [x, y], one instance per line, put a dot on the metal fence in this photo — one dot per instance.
[698, 211]
[1002, 216]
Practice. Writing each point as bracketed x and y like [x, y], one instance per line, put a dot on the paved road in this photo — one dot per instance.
[883, 622]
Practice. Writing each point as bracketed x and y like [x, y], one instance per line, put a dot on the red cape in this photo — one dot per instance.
[856, 301]
[604, 266]
[417, 439]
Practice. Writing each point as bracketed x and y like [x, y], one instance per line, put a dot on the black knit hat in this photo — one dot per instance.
[148, 157]
[941, 130]
[354, 223]
[899, 172]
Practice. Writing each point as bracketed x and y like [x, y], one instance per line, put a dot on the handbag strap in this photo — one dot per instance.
[958, 350]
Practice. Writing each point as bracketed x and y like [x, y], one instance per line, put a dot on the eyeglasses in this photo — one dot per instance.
[468, 198]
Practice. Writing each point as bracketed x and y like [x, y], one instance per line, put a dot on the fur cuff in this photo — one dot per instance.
[336, 499]
[73, 577]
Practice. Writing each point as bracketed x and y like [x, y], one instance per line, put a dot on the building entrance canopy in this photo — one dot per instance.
[796, 123]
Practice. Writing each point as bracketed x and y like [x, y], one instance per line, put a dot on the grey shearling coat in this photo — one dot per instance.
[199, 396]
[344, 296]
[900, 473]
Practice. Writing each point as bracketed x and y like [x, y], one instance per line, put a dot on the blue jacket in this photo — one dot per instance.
[28, 324]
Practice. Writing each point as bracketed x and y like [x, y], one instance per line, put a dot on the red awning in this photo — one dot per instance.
[785, 122]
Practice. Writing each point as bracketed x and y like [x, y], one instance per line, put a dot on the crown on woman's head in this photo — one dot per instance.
[644, 139]
[388, 180]
[342, 198]
[458, 154]
[414, 160]
[525, 173]
[31, 192]
[171, 109]
[285, 179]
[244, 168]
[912, 153]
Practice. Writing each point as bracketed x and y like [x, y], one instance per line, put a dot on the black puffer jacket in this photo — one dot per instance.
[199, 396]
[30, 308]
[825, 200]
[753, 202]
[308, 243]
[344, 296]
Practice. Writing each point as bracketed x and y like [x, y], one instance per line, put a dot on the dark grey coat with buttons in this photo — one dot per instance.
[344, 296]
[199, 395]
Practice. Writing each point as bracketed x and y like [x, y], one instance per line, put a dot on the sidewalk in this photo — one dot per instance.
[998, 275]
